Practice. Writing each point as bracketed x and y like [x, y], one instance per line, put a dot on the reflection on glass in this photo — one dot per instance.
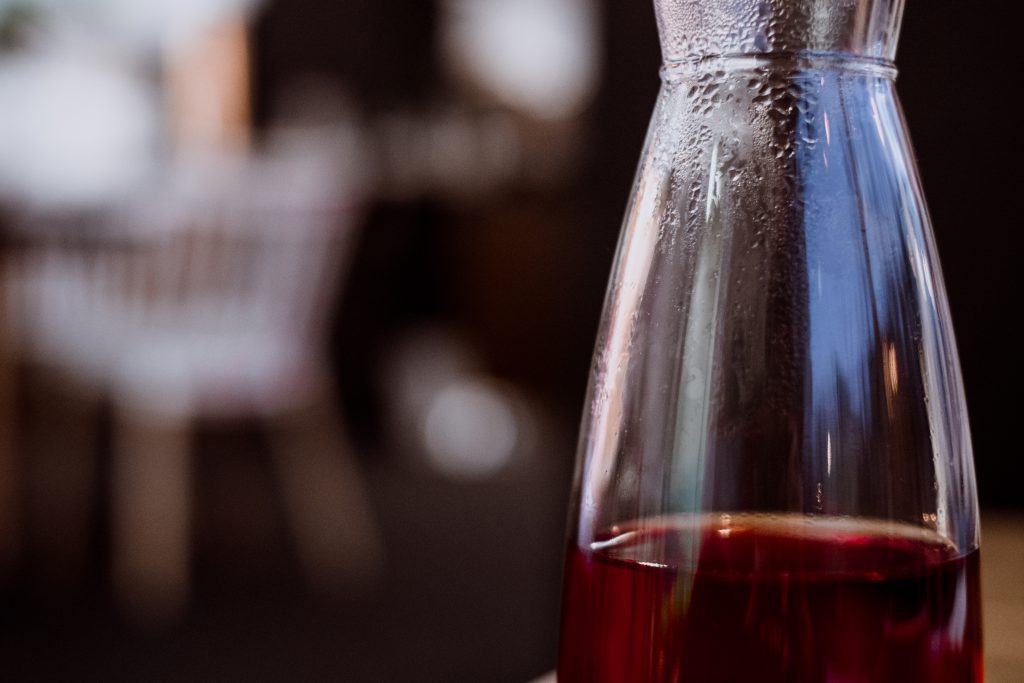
[775, 478]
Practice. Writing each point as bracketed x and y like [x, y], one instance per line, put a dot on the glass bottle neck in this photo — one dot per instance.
[694, 30]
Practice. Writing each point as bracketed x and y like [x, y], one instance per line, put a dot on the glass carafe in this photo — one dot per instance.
[775, 478]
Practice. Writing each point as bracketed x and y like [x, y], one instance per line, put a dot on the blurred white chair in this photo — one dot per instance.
[210, 300]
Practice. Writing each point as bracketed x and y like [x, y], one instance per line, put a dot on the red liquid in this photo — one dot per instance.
[750, 598]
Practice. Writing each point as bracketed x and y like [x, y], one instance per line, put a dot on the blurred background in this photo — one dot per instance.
[297, 301]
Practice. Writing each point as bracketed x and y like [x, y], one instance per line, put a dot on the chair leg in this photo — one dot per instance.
[60, 480]
[151, 502]
[338, 541]
[10, 522]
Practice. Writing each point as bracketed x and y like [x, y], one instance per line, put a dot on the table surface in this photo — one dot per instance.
[1002, 585]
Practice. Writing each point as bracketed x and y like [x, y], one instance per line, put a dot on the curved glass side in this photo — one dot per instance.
[776, 336]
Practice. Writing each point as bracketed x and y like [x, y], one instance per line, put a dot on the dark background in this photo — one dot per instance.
[471, 589]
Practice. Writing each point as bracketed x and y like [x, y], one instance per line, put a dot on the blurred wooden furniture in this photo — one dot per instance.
[1002, 570]
[209, 299]
[1002, 590]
